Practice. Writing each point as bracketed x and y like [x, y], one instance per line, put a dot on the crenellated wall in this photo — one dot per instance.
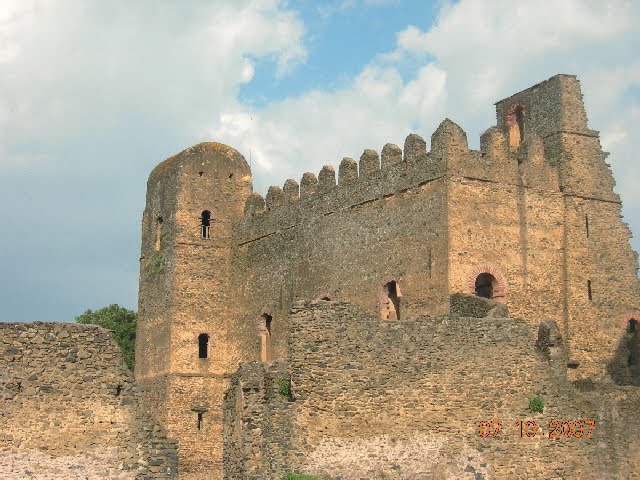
[346, 239]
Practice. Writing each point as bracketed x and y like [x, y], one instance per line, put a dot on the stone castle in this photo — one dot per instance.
[229, 279]
[393, 322]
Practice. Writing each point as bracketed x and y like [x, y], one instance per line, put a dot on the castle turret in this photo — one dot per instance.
[184, 347]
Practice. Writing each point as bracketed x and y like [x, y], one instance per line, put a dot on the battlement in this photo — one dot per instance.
[396, 171]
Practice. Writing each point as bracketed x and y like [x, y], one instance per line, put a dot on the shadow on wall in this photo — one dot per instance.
[624, 367]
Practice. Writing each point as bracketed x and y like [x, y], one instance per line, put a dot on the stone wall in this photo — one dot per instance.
[70, 408]
[385, 221]
[381, 399]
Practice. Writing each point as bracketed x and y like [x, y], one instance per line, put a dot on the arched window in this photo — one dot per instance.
[158, 232]
[485, 285]
[203, 345]
[390, 301]
[266, 354]
[205, 224]
[634, 342]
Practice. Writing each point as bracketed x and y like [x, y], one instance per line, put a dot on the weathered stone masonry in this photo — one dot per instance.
[373, 398]
[530, 220]
[69, 408]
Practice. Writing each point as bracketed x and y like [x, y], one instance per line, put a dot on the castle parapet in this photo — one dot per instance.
[291, 191]
[415, 149]
[493, 143]
[348, 171]
[254, 204]
[326, 178]
[308, 185]
[391, 155]
[275, 197]
[449, 140]
[369, 163]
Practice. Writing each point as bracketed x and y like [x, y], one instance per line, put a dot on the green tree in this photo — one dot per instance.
[121, 322]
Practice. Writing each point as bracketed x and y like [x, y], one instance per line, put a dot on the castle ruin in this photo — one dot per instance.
[530, 221]
[395, 320]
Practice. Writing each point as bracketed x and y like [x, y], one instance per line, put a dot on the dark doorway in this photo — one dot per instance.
[206, 224]
[634, 342]
[203, 345]
[485, 285]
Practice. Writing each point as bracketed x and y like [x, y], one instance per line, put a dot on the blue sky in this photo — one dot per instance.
[94, 94]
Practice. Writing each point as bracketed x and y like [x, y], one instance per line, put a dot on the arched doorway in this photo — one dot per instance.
[266, 353]
[515, 121]
[485, 285]
[486, 281]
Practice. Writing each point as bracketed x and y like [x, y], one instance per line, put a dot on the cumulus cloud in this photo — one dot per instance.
[92, 96]
[78, 58]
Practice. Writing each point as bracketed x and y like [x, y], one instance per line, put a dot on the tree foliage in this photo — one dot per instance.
[121, 322]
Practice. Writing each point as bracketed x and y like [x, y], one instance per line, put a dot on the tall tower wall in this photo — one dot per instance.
[187, 307]
[546, 224]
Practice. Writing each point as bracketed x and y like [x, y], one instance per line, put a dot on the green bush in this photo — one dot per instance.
[299, 476]
[156, 264]
[284, 387]
[536, 404]
[121, 322]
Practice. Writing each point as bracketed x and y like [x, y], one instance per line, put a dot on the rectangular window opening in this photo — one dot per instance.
[586, 224]
[589, 293]
[200, 415]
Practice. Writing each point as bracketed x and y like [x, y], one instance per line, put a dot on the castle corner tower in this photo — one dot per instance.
[184, 348]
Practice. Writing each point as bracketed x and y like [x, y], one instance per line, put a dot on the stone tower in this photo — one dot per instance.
[184, 347]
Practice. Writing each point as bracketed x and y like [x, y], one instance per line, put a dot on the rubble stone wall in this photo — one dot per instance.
[69, 408]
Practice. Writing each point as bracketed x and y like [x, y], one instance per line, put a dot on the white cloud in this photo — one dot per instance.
[305, 133]
[67, 67]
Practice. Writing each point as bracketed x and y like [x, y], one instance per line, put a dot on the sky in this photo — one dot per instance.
[94, 94]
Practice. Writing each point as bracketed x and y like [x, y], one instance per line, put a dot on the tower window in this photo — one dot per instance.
[390, 301]
[586, 224]
[515, 124]
[634, 343]
[266, 354]
[200, 415]
[203, 345]
[589, 293]
[158, 233]
[205, 224]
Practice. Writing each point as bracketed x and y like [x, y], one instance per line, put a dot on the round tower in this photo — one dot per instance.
[184, 347]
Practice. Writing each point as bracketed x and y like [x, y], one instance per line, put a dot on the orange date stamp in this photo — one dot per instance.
[530, 428]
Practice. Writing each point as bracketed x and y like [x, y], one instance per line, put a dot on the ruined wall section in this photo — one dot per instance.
[70, 408]
[258, 423]
[404, 399]
[347, 240]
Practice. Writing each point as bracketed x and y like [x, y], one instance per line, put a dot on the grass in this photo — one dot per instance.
[156, 264]
[536, 404]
